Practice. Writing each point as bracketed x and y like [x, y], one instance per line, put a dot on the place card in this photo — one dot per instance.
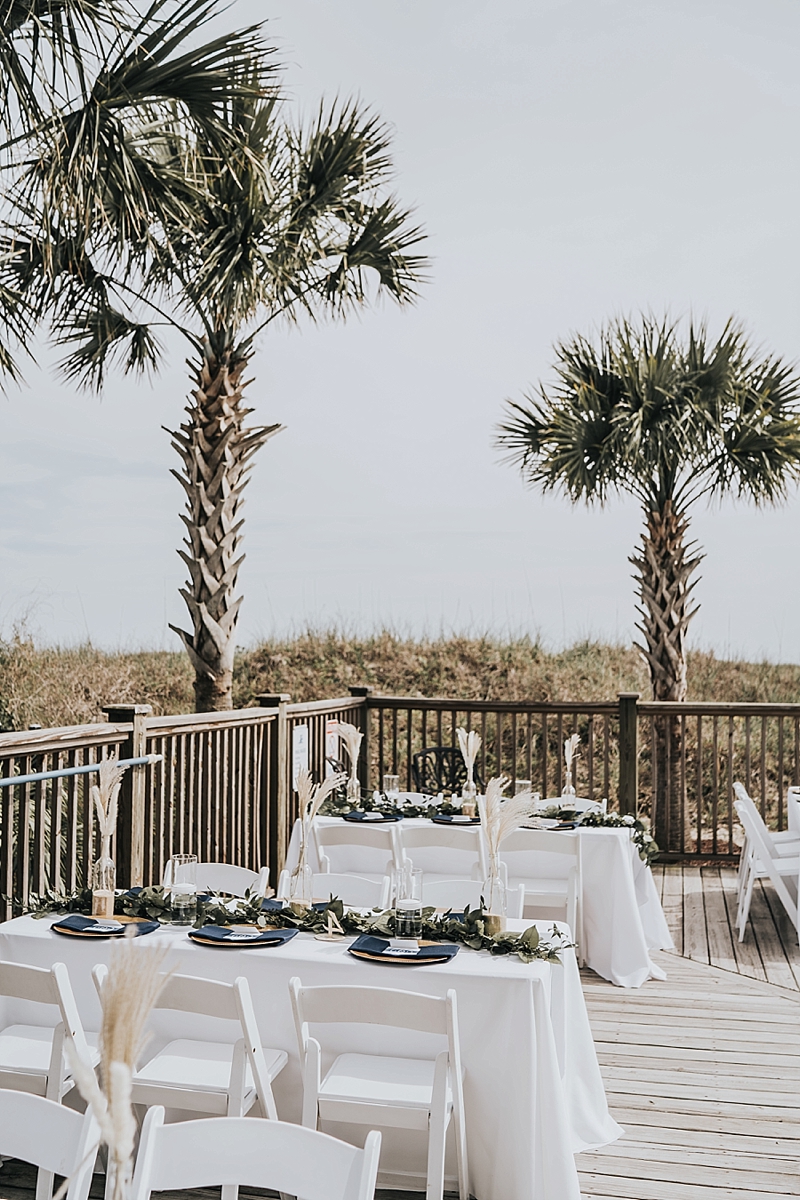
[402, 946]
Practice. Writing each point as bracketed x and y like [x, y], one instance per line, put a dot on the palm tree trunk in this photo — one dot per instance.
[215, 450]
[663, 571]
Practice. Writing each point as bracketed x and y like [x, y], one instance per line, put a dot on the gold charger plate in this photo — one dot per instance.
[87, 933]
[401, 960]
[197, 936]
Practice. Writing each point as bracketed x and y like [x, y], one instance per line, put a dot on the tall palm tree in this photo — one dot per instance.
[261, 219]
[668, 419]
[89, 92]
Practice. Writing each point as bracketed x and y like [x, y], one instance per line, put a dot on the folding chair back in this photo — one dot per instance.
[456, 850]
[457, 894]
[56, 1139]
[367, 850]
[286, 1158]
[548, 863]
[353, 890]
[225, 877]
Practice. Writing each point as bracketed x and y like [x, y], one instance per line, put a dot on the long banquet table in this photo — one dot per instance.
[622, 915]
[533, 1092]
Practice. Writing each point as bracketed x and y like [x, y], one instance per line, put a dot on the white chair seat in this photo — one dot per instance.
[26, 1050]
[372, 1079]
[205, 1067]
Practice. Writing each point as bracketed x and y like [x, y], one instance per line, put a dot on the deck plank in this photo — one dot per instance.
[702, 1070]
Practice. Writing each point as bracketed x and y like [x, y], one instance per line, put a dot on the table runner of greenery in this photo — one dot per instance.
[467, 928]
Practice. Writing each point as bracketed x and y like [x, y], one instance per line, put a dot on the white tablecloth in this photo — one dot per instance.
[533, 1092]
[622, 915]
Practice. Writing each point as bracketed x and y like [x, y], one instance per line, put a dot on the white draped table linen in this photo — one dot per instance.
[533, 1092]
[622, 915]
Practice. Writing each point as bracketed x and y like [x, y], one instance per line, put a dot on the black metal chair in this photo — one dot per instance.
[441, 769]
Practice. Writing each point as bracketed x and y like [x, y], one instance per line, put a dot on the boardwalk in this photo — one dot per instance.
[700, 906]
[703, 1073]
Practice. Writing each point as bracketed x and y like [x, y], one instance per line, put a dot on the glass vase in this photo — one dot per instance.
[469, 796]
[104, 883]
[301, 883]
[354, 791]
[494, 899]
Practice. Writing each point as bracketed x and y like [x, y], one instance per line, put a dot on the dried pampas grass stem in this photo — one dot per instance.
[130, 990]
[501, 817]
[105, 794]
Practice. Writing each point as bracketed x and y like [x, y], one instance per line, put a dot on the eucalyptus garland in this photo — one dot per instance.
[467, 928]
[640, 835]
[337, 806]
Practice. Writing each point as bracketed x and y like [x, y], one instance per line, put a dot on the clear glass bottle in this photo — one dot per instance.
[494, 899]
[354, 791]
[301, 883]
[104, 883]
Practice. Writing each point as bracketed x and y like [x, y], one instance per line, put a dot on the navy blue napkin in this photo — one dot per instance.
[225, 935]
[447, 819]
[360, 816]
[75, 923]
[375, 945]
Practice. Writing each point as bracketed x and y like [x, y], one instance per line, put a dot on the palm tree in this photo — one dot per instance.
[261, 219]
[669, 420]
[90, 90]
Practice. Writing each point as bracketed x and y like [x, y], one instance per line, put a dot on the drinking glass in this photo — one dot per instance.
[183, 888]
[391, 786]
[521, 785]
[408, 918]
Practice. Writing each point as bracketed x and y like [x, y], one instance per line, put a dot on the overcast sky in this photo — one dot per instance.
[570, 160]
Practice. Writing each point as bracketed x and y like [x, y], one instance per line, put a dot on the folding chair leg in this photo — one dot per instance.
[748, 896]
[44, 1185]
[437, 1130]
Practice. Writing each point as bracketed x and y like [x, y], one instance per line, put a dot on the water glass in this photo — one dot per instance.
[391, 786]
[521, 785]
[408, 918]
[183, 888]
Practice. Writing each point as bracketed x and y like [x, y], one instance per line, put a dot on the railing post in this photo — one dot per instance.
[278, 799]
[628, 795]
[363, 766]
[129, 850]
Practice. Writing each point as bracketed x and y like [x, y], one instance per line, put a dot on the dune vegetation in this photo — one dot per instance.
[53, 686]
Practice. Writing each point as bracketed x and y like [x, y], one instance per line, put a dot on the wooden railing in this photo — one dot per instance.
[522, 741]
[222, 785]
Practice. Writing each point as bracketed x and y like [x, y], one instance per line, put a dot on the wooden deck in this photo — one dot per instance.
[703, 1073]
[700, 906]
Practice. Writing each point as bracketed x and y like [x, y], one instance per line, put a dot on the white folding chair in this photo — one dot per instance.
[32, 1057]
[225, 877]
[347, 848]
[548, 865]
[785, 844]
[456, 894]
[364, 1089]
[260, 1154]
[445, 851]
[781, 871]
[352, 890]
[218, 1078]
[56, 1139]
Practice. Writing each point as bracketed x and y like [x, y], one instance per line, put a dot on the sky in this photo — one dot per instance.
[570, 160]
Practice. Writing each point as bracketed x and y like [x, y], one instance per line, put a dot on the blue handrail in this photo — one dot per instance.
[16, 780]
